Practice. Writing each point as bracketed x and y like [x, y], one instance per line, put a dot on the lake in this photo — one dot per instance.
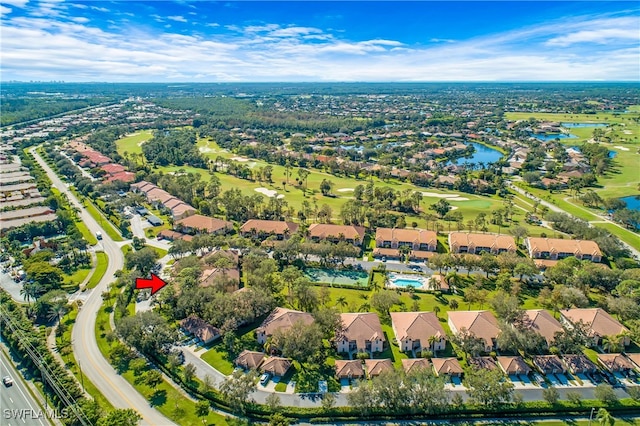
[572, 125]
[553, 136]
[633, 202]
[482, 154]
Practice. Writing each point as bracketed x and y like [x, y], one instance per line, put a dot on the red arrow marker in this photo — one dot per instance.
[155, 283]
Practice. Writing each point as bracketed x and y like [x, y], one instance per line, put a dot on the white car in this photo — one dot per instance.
[264, 379]
[7, 380]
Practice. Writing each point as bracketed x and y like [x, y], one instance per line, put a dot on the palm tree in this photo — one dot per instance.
[433, 340]
[342, 302]
[57, 310]
[605, 418]
[30, 291]
[436, 310]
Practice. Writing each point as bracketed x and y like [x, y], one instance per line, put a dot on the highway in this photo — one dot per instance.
[18, 406]
[85, 347]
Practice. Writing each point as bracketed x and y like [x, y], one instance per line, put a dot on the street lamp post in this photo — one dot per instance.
[591, 415]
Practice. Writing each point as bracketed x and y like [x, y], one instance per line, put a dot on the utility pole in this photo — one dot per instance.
[591, 415]
[81, 376]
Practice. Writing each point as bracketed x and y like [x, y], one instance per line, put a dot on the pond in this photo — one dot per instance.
[573, 125]
[553, 136]
[482, 154]
[633, 202]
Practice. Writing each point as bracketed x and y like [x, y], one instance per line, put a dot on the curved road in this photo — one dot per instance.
[85, 346]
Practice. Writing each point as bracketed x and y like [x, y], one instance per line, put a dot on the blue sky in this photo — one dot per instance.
[158, 41]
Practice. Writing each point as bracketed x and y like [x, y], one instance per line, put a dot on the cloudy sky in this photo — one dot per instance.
[163, 41]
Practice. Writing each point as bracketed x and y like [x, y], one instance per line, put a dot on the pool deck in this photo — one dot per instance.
[423, 279]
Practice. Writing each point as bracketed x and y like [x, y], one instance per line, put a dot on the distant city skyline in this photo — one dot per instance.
[301, 41]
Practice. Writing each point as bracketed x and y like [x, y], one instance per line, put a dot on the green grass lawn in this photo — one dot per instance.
[574, 207]
[132, 143]
[470, 208]
[218, 359]
[77, 277]
[101, 268]
[104, 222]
[88, 235]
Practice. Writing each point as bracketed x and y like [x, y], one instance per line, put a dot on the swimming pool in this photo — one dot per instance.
[404, 281]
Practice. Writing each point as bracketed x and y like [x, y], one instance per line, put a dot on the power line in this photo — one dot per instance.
[47, 374]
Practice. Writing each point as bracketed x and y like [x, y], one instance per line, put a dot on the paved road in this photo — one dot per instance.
[10, 286]
[85, 347]
[19, 407]
[634, 251]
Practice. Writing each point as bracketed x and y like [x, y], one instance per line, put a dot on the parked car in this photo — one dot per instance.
[264, 379]
[7, 380]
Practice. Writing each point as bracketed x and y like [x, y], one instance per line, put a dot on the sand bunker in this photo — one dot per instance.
[241, 159]
[436, 195]
[627, 132]
[206, 150]
[345, 189]
[621, 148]
[271, 193]
[457, 199]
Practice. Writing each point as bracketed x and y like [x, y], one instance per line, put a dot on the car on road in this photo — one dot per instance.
[264, 379]
[7, 380]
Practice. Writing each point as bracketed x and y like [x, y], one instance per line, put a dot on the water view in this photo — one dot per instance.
[482, 154]
[553, 136]
[633, 202]
[573, 125]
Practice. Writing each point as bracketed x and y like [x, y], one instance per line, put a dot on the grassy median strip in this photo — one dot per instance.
[101, 268]
[88, 235]
[103, 221]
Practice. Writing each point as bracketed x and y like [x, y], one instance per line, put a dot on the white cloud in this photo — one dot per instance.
[5, 10]
[16, 3]
[41, 48]
[177, 18]
[600, 36]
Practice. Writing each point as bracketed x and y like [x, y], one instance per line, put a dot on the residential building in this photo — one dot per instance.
[249, 360]
[198, 223]
[481, 324]
[483, 362]
[635, 359]
[468, 242]
[360, 332]
[199, 328]
[375, 367]
[543, 323]
[413, 364]
[557, 249]
[265, 228]
[598, 322]
[390, 240]
[415, 331]
[281, 319]
[336, 233]
[447, 367]
[579, 364]
[513, 365]
[549, 364]
[349, 369]
[276, 366]
[616, 363]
